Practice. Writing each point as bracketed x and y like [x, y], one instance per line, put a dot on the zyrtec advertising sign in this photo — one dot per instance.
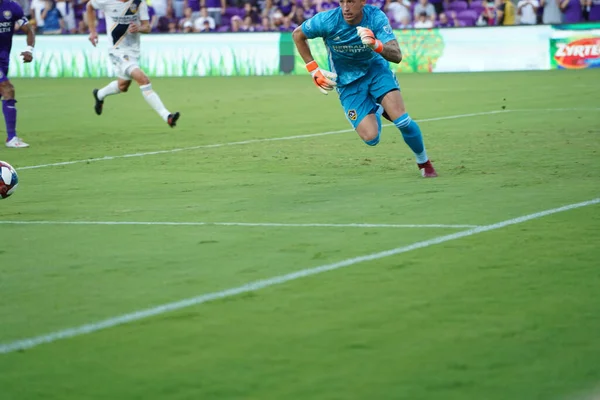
[575, 52]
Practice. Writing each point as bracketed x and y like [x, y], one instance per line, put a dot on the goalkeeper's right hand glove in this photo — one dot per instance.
[324, 80]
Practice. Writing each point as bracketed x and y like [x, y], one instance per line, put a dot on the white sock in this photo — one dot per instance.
[421, 157]
[111, 88]
[154, 101]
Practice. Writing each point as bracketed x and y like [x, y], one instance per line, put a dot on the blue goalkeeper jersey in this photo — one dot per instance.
[348, 57]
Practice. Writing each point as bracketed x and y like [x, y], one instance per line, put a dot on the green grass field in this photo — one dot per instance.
[507, 314]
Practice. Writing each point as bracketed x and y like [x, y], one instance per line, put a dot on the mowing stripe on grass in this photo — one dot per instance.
[251, 141]
[250, 224]
[264, 283]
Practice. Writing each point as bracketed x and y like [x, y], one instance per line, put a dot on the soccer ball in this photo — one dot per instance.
[8, 180]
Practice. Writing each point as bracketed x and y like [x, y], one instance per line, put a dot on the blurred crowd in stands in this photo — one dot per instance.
[184, 16]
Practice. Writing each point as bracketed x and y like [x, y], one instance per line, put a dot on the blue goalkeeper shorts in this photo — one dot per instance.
[361, 97]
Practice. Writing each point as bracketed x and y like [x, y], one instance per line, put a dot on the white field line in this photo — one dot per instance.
[261, 224]
[243, 142]
[558, 109]
[27, 343]
[251, 141]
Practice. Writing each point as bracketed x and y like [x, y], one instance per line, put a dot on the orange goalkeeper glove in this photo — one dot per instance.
[324, 80]
[368, 39]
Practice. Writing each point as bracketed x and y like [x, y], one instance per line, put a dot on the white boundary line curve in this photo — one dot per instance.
[28, 343]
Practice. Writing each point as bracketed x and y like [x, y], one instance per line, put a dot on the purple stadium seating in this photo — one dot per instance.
[458, 5]
[477, 6]
[468, 17]
[231, 11]
[398, 25]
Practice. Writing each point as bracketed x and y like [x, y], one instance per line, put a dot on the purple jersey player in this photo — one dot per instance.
[11, 17]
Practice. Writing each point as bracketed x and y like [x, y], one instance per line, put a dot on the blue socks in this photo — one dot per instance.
[373, 142]
[412, 136]
[410, 132]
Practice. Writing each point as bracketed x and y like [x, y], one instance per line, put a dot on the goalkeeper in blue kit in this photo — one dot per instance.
[360, 44]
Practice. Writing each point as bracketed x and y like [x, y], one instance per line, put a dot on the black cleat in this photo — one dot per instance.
[172, 119]
[99, 103]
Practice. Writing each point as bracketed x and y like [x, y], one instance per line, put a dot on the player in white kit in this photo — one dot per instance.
[125, 21]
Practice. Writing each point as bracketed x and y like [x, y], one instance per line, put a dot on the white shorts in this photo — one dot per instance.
[123, 65]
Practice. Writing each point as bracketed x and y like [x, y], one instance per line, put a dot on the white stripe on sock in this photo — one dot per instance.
[403, 123]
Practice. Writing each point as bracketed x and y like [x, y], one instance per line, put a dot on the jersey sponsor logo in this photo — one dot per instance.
[121, 29]
[7, 14]
[357, 48]
[6, 26]
[125, 19]
[352, 115]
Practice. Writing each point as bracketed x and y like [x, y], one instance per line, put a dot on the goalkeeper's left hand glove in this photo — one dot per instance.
[368, 39]
[324, 80]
